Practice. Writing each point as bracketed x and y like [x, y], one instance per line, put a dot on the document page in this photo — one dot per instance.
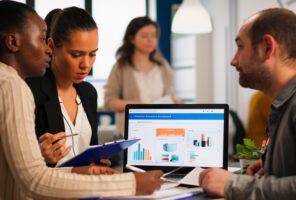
[173, 193]
[192, 177]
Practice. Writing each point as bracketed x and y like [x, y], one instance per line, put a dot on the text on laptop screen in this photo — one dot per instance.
[176, 137]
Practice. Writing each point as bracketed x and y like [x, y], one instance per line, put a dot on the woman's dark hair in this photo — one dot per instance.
[126, 50]
[13, 17]
[71, 19]
[49, 18]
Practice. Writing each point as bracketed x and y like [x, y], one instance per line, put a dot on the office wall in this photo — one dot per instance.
[192, 59]
[219, 12]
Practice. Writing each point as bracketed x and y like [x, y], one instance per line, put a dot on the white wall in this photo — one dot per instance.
[44, 7]
[219, 13]
[204, 69]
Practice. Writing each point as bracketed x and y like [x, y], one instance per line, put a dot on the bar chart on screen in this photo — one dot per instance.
[142, 153]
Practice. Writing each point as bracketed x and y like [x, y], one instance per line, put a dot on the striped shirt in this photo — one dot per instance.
[23, 172]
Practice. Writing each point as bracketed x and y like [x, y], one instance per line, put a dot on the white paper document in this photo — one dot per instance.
[190, 179]
[234, 169]
[171, 190]
[173, 193]
[169, 185]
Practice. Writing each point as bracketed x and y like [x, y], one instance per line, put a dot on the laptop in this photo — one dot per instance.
[177, 135]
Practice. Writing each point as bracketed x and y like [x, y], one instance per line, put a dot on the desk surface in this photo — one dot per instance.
[200, 196]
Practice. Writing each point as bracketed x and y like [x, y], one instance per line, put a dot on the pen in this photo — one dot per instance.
[70, 135]
[136, 169]
[172, 171]
[133, 168]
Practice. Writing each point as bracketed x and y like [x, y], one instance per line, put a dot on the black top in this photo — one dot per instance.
[48, 111]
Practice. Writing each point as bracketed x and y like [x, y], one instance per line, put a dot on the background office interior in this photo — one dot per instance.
[202, 73]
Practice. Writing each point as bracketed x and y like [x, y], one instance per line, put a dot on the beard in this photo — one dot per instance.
[259, 78]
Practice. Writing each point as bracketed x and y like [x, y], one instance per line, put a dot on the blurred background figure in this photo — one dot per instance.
[141, 74]
[260, 106]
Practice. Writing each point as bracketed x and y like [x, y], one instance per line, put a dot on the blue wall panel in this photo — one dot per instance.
[164, 18]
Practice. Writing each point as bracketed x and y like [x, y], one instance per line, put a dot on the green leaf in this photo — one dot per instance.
[248, 150]
[249, 142]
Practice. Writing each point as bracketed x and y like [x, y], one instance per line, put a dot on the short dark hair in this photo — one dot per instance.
[125, 51]
[69, 20]
[13, 17]
[281, 24]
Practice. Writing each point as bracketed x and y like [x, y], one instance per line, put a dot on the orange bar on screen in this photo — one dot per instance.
[173, 132]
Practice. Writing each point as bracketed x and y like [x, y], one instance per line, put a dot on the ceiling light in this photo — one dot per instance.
[191, 18]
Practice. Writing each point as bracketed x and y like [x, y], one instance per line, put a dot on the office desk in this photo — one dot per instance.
[201, 196]
[107, 133]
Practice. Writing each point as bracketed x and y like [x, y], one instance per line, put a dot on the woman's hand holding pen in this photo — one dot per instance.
[53, 147]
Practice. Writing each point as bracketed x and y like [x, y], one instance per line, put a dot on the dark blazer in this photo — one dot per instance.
[48, 112]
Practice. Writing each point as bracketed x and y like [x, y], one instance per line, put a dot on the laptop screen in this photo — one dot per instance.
[188, 135]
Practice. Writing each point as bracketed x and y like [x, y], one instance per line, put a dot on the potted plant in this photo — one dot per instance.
[247, 153]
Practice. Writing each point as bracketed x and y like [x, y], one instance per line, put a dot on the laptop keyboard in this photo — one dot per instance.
[175, 177]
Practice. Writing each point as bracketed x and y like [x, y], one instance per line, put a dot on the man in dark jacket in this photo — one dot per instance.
[266, 61]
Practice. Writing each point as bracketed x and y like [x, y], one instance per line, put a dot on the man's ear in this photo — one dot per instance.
[50, 43]
[12, 42]
[269, 46]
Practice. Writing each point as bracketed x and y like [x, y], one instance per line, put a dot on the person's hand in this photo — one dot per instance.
[52, 147]
[213, 181]
[94, 170]
[148, 182]
[256, 168]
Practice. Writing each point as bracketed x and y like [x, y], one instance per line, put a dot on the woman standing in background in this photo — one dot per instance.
[141, 74]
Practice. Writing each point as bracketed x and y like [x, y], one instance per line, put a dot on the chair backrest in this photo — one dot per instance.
[239, 130]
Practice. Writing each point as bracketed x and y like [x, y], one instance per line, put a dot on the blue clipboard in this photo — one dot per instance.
[96, 153]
